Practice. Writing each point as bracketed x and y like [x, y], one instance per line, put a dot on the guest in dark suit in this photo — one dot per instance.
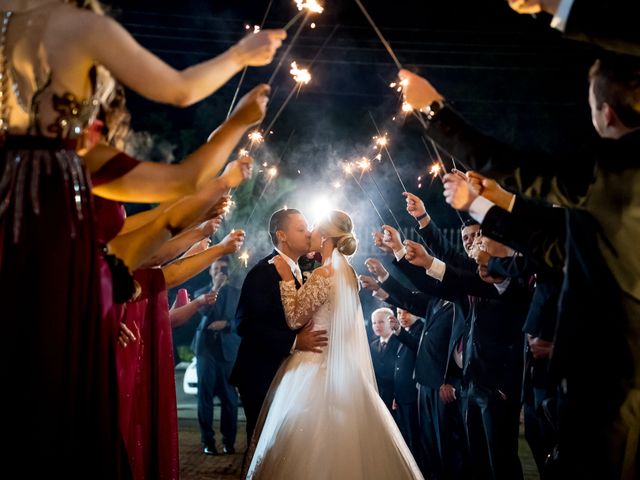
[383, 354]
[266, 337]
[216, 347]
[408, 329]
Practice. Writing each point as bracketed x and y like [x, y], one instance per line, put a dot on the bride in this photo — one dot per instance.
[323, 417]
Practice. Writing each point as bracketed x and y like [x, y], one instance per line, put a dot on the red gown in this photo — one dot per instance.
[147, 401]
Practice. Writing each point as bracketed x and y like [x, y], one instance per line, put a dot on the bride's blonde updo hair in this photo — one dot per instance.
[338, 226]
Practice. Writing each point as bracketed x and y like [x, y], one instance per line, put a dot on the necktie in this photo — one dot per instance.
[298, 274]
[383, 346]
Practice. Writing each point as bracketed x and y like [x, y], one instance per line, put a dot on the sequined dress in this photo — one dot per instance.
[60, 345]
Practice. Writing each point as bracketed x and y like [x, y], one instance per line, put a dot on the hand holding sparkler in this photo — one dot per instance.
[535, 6]
[391, 238]
[458, 192]
[237, 172]
[198, 247]
[491, 190]
[258, 49]
[233, 242]
[375, 266]
[377, 241]
[416, 208]
[417, 255]
[252, 108]
[417, 91]
[219, 209]
[368, 283]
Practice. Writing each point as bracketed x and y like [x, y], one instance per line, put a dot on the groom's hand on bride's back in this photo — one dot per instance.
[308, 340]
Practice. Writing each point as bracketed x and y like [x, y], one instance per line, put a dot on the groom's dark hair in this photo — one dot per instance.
[278, 221]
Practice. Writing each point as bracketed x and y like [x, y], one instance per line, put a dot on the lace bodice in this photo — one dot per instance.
[309, 302]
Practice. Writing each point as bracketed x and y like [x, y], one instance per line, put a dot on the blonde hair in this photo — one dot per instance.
[339, 226]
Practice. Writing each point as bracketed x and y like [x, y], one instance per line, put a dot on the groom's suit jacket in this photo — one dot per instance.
[266, 338]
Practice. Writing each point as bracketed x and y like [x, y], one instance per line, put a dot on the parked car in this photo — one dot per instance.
[190, 382]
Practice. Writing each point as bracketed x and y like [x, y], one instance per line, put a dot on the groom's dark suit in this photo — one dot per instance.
[266, 337]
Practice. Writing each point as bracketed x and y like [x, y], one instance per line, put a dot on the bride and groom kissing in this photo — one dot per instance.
[304, 368]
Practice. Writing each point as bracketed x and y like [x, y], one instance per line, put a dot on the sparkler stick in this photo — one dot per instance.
[385, 202]
[380, 36]
[349, 169]
[384, 145]
[244, 70]
[289, 47]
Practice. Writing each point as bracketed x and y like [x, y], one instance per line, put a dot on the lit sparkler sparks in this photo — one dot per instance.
[406, 107]
[256, 137]
[381, 141]
[256, 28]
[309, 5]
[244, 258]
[272, 172]
[243, 152]
[300, 75]
[364, 164]
[336, 185]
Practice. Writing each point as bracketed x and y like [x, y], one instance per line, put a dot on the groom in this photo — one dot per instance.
[266, 337]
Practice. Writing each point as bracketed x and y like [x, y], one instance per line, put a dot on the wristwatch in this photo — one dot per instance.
[422, 217]
[433, 108]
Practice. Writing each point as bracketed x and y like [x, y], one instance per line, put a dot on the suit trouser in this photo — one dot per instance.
[493, 429]
[407, 421]
[213, 380]
[442, 434]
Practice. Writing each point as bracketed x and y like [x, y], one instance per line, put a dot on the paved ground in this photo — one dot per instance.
[194, 465]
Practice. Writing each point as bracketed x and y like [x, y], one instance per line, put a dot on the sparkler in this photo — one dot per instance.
[365, 167]
[348, 169]
[244, 258]
[256, 29]
[380, 36]
[255, 137]
[384, 141]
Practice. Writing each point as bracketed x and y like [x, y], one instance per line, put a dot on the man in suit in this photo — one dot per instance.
[408, 329]
[383, 354]
[266, 337]
[600, 189]
[216, 345]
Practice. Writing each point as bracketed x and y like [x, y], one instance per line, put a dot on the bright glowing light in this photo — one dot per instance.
[313, 25]
[406, 107]
[272, 172]
[256, 28]
[256, 137]
[310, 5]
[348, 168]
[320, 208]
[393, 84]
[435, 169]
[243, 152]
[228, 207]
[381, 141]
[404, 83]
[336, 185]
[244, 258]
[378, 157]
[300, 75]
[364, 165]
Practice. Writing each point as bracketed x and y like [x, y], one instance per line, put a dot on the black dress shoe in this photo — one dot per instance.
[228, 450]
[210, 449]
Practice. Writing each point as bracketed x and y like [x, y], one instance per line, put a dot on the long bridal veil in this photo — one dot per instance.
[323, 418]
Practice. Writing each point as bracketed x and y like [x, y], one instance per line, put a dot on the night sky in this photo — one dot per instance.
[510, 75]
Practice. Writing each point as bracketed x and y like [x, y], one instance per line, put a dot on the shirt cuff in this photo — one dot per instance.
[512, 203]
[399, 254]
[380, 294]
[293, 347]
[559, 21]
[385, 278]
[479, 208]
[437, 269]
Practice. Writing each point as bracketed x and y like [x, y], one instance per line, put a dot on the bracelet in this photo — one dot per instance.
[422, 217]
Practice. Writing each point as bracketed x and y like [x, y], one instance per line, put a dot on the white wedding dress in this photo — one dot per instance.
[323, 418]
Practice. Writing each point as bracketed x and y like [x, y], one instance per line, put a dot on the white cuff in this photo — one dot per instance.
[437, 269]
[399, 254]
[293, 347]
[385, 278]
[479, 208]
[380, 294]
[512, 203]
[559, 21]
